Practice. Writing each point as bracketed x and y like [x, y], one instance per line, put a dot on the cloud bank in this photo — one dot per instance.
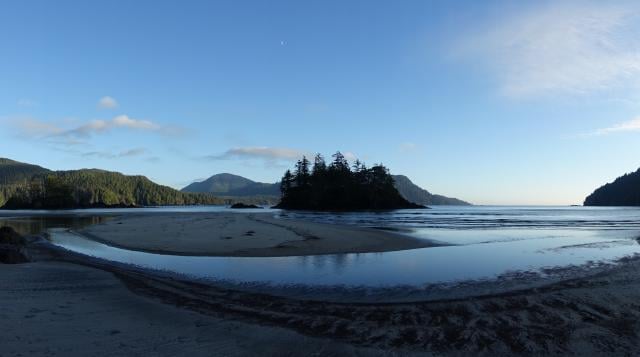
[259, 152]
[34, 128]
[628, 126]
[562, 48]
[109, 155]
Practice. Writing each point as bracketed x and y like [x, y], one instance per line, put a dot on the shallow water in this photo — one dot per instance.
[409, 267]
[489, 242]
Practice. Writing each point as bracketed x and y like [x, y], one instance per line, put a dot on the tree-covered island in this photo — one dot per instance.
[339, 187]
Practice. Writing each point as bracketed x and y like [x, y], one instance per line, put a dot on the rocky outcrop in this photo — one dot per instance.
[243, 206]
[12, 247]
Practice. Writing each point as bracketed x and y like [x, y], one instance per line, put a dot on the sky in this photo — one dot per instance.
[493, 102]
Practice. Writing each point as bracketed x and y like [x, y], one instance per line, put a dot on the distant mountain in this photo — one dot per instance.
[29, 186]
[414, 193]
[624, 191]
[234, 186]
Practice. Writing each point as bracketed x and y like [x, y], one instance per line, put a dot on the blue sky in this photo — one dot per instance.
[492, 102]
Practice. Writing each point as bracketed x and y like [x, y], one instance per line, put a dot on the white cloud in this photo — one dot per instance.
[107, 102]
[563, 47]
[631, 125]
[271, 157]
[260, 152]
[125, 121]
[121, 121]
[121, 154]
[68, 133]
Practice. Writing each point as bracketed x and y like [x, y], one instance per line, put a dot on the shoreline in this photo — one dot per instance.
[579, 316]
[506, 284]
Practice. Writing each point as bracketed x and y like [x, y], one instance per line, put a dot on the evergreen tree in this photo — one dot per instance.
[302, 174]
[339, 163]
[319, 165]
[285, 183]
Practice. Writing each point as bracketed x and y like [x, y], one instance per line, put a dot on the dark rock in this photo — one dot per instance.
[9, 236]
[12, 249]
[243, 206]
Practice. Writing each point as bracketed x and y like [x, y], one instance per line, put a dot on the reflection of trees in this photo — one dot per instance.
[336, 262]
[339, 262]
[35, 225]
[319, 261]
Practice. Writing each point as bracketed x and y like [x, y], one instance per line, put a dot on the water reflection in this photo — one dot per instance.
[38, 224]
[415, 267]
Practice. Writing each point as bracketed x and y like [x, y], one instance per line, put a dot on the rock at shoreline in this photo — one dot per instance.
[12, 247]
[9, 236]
[243, 206]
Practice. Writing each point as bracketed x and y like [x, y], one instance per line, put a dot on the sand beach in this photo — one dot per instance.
[66, 304]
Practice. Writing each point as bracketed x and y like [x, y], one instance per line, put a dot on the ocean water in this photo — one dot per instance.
[479, 243]
[469, 225]
[485, 217]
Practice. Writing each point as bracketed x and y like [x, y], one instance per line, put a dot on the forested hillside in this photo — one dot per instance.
[85, 189]
[624, 191]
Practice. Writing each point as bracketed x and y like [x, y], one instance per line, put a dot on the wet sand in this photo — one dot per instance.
[243, 235]
[62, 309]
[592, 316]
[58, 308]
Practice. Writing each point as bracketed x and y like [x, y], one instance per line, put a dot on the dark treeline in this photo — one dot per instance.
[337, 186]
[97, 188]
[624, 191]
